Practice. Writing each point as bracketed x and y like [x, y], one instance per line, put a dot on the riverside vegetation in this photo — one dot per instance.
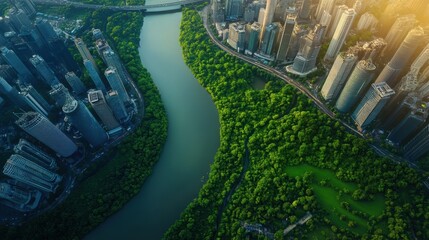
[299, 160]
[103, 192]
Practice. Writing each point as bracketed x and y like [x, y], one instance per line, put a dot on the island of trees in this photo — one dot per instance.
[280, 158]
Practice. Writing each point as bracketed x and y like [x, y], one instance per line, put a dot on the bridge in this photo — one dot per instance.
[159, 7]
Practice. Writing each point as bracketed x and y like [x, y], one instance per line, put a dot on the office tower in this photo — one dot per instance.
[102, 46]
[371, 104]
[97, 34]
[43, 130]
[112, 60]
[234, 9]
[255, 31]
[99, 104]
[305, 61]
[358, 6]
[218, 11]
[35, 100]
[27, 172]
[85, 122]
[59, 93]
[250, 12]
[409, 124]
[261, 16]
[338, 75]
[46, 31]
[7, 72]
[92, 71]
[298, 32]
[75, 83]
[26, 5]
[418, 146]
[13, 95]
[285, 38]
[269, 39]
[19, 199]
[398, 107]
[340, 34]
[116, 83]
[12, 59]
[44, 70]
[391, 71]
[268, 16]
[84, 52]
[117, 106]
[398, 32]
[35, 154]
[304, 12]
[336, 16]
[324, 5]
[367, 21]
[325, 20]
[237, 36]
[361, 77]
[19, 19]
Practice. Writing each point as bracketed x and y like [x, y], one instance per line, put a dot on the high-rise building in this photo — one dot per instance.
[336, 16]
[35, 154]
[268, 43]
[391, 71]
[398, 32]
[60, 94]
[397, 108]
[19, 19]
[324, 5]
[43, 130]
[35, 100]
[12, 59]
[418, 146]
[93, 73]
[340, 34]
[99, 104]
[26, 5]
[112, 60]
[97, 34]
[338, 75]
[360, 78]
[27, 172]
[116, 83]
[7, 72]
[286, 36]
[304, 12]
[234, 9]
[44, 70]
[367, 21]
[371, 104]
[268, 16]
[85, 122]
[84, 52]
[237, 36]
[75, 83]
[261, 16]
[102, 46]
[325, 20]
[13, 95]
[218, 11]
[255, 31]
[21, 200]
[117, 106]
[305, 61]
[298, 32]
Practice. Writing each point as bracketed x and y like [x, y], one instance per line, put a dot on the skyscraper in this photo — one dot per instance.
[418, 146]
[84, 52]
[13, 95]
[371, 104]
[117, 106]
[336, 16]
[398, 32]
[22, 200]
[112, 60]
[234, 9]
[340, 34]
[26, 5]
[269, 39]
[299, 31]
[19, 19]
[304, 12]
[255, 31]
[75, 83]
[324, 5]
[35, 100]
[44, 70]
[360, 78]
[305, 61]
[391, 71]
[60, 94]
[116, 83]
[268, 15]
[35, 154]
[367, 21]
[338, 75]
[43, 130]
[409, 125]
[12, 59]
[85, 122]
[286, 36]
[93, 73]
[237, 36]
[99, 104]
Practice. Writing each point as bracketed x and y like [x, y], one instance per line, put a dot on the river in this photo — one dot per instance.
[193, 138]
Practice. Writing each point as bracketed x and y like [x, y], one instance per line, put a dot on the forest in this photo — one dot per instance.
[105, 191]
[280, 158]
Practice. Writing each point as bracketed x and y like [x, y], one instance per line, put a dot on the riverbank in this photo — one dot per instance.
[327, 160]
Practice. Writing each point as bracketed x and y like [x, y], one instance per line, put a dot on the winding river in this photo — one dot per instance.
[193, 138]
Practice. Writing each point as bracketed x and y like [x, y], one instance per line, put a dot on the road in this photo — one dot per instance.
[115, 8]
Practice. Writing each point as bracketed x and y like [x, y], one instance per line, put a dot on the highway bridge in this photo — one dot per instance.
[159, 7]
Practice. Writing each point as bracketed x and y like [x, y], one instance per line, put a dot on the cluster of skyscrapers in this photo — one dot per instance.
[41, 81]
[381, 83]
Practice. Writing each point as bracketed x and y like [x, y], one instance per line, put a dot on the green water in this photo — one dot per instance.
[193, 138]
